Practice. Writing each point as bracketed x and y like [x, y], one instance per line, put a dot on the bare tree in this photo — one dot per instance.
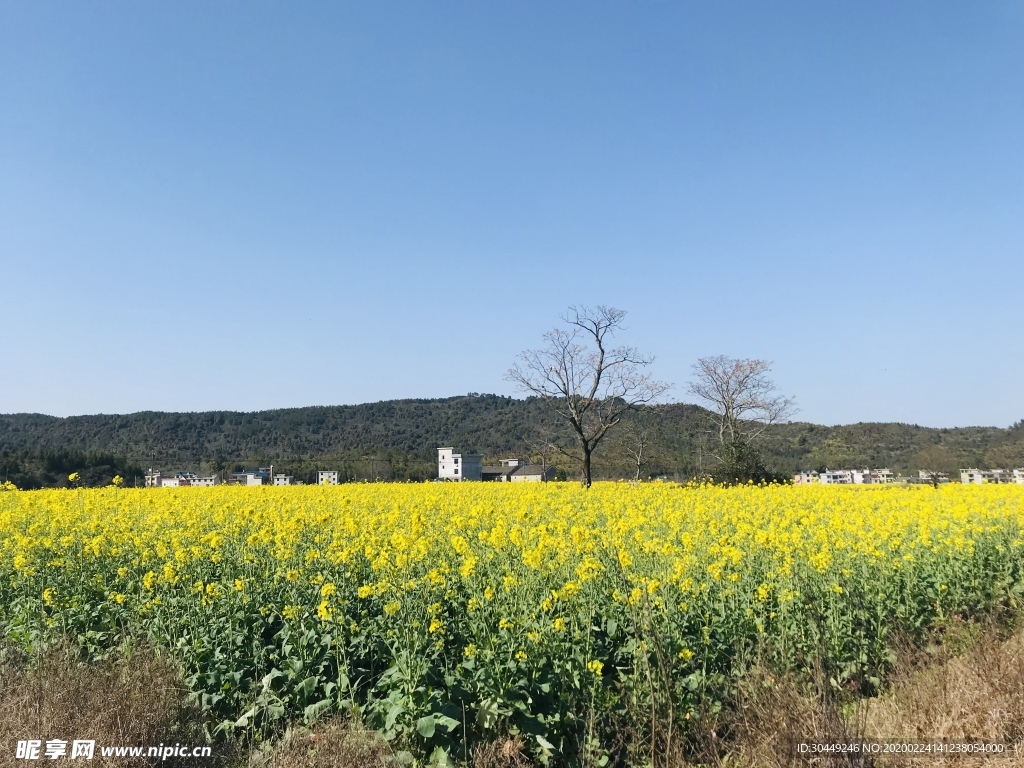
[937, 462]
[637, 440]
[589, 384]
[741, 396]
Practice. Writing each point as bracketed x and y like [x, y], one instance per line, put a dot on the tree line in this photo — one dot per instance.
[592, 410]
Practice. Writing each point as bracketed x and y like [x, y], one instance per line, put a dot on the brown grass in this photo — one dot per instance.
[137, 700]
[330, 744]
[976, 696]
[969, 685]
[504, 753]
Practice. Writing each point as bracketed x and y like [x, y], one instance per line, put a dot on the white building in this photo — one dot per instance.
[857, 477]
[805, 477]
[283, 479]
[532, 473]
[872, 476]
[517, 471]
[836, 477]
[327, 477]
[1018, 476]
[457, 466]
[975, 476]
[926, 477]
[156, 479]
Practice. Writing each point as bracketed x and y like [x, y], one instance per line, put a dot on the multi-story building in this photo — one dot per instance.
[856, 476]
[924, 476]
[458, 466]
[836, 477]
[973, 476]
[805, 477]
[1018, 476]
[156, 479]
[980, 476]
[283, 479]
[327, 477]
[872, 476]
[251, 477]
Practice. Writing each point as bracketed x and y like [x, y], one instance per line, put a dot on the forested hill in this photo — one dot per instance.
[405, 434]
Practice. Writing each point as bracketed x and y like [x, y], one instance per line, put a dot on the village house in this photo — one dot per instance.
[457, 466]
[976, 476]
[856, 477]
[327, 477]
[156, 479]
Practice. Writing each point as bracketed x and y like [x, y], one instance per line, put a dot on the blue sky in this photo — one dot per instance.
[258, 205]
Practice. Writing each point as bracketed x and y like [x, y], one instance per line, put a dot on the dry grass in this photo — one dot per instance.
[330, 744]
[505, 753]
[137, 700]
[969, 686]
[977, 696]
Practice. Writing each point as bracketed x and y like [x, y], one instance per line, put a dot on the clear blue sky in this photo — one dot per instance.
[264, 204]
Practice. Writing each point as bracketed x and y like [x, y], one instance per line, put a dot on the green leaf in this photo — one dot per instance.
[313, 711]
[487, 714]
[243, 721]
[425, 726]
[544, 743]
[448, 723]
[439, 757]
[306, 687]
[393, 712]
[269, 678]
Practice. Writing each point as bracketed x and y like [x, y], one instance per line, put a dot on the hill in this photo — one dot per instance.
[398, 439]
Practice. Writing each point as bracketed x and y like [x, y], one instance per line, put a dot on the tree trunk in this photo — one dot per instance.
[586, 482]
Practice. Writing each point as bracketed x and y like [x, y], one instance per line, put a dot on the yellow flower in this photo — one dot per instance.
[595, 666]
[323, 611]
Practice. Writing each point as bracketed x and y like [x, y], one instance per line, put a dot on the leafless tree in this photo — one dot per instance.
[741, 397]
[937, 462]
[589, 384]
[637, 440]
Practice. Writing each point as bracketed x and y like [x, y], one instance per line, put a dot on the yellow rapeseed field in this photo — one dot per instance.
[449, 613]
